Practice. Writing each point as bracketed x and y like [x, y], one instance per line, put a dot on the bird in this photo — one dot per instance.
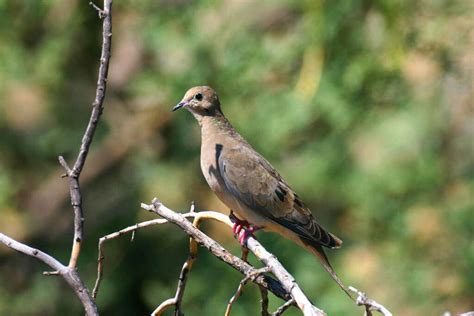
[248, 184]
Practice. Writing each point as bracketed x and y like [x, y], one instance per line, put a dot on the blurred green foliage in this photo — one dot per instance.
[365, 107]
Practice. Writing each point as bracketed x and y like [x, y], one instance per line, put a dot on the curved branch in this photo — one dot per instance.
[69, 274]
[269, 283]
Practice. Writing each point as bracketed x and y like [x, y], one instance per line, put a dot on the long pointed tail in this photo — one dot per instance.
[318, 251]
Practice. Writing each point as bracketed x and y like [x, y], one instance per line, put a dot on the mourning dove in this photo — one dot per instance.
[249, 185]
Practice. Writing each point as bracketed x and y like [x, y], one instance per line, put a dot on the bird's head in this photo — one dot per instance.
[200, 101]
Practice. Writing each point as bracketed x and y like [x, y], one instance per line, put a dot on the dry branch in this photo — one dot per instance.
[284, 286]
[69, 273]
[240, 288]
[285, 279]
[101, 256]
[97, 108]
[269, 283]
[369, 304]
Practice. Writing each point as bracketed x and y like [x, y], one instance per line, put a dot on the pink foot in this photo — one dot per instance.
[245, 233]
[242, 229]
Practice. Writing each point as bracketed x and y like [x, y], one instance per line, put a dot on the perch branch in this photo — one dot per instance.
[267, 282]
[198, 237]
[69, 274]
[284, 278]
[97, 108]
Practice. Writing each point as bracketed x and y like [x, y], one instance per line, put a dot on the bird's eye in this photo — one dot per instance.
[198, 96]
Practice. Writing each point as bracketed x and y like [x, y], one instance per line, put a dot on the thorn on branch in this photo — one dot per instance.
[49, 273]
[64, 164]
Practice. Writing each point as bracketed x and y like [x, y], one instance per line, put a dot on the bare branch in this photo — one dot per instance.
[240, 288]
[178, 298]
[283, 308]
[284, 287]
[97, 108]
[265, 281]
[263, 300]
[285, 279]
[69, 274]
[101, 256]
[370, 305]
[183, 276]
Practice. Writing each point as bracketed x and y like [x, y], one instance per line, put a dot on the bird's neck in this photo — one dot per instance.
[217, 125]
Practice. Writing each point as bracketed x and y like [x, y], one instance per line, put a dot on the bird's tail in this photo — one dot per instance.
[318, 251]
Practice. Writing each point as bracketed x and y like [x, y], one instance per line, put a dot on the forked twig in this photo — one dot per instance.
[240, 288]
[97, 107]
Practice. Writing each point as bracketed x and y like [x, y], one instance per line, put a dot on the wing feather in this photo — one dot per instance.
[253, 181]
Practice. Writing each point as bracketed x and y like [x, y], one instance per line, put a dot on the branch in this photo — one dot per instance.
[69, 274]
[267, 282]
[264, 300]
[101, 257]
[97, 108]
[293, 296]
[283, 308]
[370, 304]
[285, 279]
[240, 288]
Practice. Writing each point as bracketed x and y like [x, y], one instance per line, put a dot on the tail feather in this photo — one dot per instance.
[318, 251]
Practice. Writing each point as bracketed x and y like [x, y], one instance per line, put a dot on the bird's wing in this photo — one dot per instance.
[253, 181]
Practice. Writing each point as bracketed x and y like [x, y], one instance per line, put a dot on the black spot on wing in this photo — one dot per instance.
[212, 170]
[280, 192]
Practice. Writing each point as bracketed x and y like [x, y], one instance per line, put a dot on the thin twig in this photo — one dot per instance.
[244, 253]
[240, 288]
[283, 308]
[97, 108]
[370, 304]
[101, 256]
[69, 274]
[177, 300]
[263, 300]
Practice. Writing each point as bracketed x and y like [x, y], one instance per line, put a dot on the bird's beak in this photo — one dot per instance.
[179, 106]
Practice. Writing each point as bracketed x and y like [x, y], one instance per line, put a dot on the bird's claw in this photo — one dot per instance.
[243, 230]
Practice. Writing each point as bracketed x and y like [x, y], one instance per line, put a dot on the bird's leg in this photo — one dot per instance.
[246, 232]
[242, 229]
[238, 223]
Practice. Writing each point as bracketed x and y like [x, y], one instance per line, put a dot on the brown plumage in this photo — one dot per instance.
[248, 184]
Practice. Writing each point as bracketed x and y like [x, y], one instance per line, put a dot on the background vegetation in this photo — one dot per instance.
[365, 107]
